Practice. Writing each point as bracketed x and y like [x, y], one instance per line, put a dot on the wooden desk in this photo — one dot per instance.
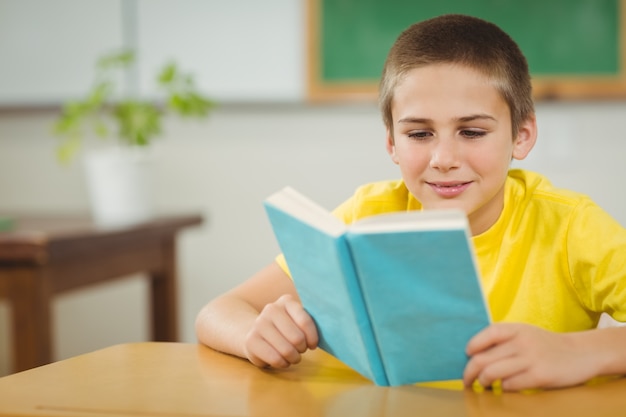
[42, 257]
[174, 379]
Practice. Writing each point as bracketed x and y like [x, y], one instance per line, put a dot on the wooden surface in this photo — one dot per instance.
[175, 379]
[44, 256]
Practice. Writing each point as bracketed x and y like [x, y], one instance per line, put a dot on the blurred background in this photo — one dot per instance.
[250, 57]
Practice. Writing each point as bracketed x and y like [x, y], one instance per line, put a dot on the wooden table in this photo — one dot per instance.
[175, 379]
[44, 256]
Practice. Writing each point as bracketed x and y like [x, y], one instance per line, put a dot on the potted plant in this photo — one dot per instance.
[117, 179]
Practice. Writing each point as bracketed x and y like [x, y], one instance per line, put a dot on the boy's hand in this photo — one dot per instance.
[522, 356]
[280, 334]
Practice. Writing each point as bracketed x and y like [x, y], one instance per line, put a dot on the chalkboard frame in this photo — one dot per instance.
[545, 88]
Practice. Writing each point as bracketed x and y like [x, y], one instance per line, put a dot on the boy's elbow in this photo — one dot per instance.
[201, 323]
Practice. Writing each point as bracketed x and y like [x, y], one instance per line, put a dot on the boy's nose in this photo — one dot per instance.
[445, 155]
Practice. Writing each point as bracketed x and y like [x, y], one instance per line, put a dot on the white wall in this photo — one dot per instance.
[48, 49]
[241, 50]
[225, 166]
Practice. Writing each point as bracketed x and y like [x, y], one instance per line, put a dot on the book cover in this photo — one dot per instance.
[395, 296]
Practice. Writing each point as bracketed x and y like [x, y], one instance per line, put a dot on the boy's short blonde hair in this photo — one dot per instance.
[463, 40]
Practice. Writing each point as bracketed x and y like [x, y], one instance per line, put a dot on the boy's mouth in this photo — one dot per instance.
[449, 189]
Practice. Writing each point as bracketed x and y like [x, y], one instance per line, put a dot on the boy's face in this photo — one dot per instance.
[452, 140]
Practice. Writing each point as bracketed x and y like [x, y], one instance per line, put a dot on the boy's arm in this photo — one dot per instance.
[261, 320]
[523, 356]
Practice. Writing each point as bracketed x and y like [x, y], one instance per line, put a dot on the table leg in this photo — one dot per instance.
[164, 296]
[30, 299]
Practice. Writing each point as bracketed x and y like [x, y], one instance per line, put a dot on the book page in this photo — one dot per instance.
[411, 220]
[306, 210]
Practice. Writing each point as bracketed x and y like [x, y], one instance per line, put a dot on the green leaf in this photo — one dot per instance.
[99, 94]
[68, 148]
[168, 74]
[190, 104]
[138, 122]
[118, 59]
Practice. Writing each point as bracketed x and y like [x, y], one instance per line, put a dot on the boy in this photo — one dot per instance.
[456, 101]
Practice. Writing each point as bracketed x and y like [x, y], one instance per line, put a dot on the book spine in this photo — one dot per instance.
[362, 314]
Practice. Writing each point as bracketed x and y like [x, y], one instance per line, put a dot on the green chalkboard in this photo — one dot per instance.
[573, 47]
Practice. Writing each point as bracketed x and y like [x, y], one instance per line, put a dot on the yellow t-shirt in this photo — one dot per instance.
[554, 258]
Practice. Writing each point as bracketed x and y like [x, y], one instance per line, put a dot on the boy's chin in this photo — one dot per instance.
[446, 205]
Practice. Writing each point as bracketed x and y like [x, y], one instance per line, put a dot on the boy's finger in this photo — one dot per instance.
[490, 359]
[491, 336]
[260, 353]
[280, 342]
[305, 323]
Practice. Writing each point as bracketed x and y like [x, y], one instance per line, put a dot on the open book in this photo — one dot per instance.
[394, 296]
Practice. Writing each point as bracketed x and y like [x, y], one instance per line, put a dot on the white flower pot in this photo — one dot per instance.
[119, 183]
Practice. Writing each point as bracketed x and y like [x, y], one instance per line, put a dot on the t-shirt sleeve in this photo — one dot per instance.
[596, 247]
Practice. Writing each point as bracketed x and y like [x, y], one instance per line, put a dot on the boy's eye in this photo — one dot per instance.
[419, 134]
[473, 134]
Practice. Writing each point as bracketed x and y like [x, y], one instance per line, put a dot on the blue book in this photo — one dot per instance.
[394, 296]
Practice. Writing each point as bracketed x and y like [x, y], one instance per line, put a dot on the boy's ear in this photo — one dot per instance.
[391, 147]
[526, 138]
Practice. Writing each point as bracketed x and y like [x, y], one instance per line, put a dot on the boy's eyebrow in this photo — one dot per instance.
[478, 116]
[414, 120]
[472, 117]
